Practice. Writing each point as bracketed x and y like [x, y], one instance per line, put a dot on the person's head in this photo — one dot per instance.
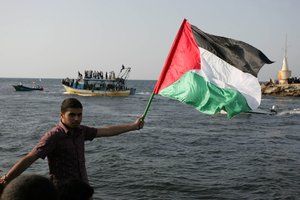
[75, 190]
[71, 112]
[30, 187]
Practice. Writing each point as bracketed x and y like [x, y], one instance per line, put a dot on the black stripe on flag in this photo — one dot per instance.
[237, 53]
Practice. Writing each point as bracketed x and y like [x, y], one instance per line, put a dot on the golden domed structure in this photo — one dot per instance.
[284, 74]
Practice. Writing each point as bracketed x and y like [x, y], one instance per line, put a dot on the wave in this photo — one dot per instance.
[295, 111]
[143, 93]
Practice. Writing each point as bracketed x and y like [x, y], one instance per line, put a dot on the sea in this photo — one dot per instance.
[179, 154]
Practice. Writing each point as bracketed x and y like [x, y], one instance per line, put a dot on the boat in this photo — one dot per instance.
[94, 83]
[21, 87]
[272, 111]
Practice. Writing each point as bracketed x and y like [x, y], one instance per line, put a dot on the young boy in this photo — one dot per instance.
[63, 145]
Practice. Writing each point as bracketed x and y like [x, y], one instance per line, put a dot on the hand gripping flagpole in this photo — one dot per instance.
[148, 106]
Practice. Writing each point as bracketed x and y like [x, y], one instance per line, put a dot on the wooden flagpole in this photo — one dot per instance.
[148, 106]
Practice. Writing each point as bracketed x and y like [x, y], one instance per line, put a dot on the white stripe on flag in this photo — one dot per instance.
[224, 75]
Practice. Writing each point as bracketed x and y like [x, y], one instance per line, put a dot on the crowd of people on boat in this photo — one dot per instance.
[89, 84]
[96, 80]
[90, 74]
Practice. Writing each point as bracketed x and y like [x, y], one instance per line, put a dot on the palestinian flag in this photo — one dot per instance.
[212, 73]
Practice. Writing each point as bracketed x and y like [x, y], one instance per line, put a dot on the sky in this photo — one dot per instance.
[58, 38]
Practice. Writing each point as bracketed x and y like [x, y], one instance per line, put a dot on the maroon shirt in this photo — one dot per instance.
[64, 149]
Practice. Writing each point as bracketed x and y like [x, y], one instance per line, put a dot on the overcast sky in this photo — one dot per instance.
[57, 38]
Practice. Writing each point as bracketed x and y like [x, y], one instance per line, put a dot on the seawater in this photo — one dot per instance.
[179, 154]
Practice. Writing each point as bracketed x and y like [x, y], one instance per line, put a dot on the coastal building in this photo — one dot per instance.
[284, 74]
[285, 85]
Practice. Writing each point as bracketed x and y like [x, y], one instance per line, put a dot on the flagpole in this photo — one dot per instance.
[148, 106]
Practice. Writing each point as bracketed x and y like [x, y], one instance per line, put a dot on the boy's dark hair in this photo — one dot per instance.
[30, 187]
[70, 103]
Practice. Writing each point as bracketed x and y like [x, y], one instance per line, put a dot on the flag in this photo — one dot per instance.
[211, 73]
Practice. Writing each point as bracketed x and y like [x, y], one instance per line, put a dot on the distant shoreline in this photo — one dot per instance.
[274, 89]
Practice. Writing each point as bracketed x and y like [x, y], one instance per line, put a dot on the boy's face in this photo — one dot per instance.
[72, 117]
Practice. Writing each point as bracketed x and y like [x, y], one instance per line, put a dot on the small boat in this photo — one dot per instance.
[95, 83]
[21, 87]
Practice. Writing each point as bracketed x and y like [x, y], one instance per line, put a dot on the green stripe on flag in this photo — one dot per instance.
[194, 90]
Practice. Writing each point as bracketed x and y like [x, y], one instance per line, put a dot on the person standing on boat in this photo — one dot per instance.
[63, 145]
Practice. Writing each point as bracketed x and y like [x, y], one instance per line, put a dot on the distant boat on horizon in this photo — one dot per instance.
[21, 87]
[95, 83]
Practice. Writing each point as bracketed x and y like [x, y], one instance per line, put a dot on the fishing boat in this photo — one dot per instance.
[95, 83]
[21, 87]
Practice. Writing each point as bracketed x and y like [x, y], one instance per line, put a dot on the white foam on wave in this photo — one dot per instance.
[143, 93]
[295, 111]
